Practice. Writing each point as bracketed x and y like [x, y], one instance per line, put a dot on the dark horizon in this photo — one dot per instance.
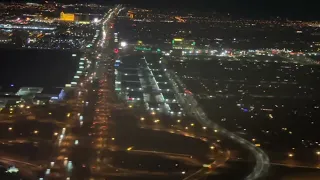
[263, 9]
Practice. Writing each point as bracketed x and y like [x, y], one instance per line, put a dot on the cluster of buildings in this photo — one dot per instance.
[142, 81]
[35, 95]
[183, 44]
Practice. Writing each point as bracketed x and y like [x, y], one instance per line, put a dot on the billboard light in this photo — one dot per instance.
[178, 39]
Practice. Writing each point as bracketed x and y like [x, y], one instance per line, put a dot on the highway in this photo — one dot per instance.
[85, 138]
[190, 103]
[26, 169]
[72, 157]
[98, 161]
[83, 143]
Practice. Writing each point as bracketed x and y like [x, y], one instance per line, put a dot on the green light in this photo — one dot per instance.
[172, 41]
[194, 43]
[143, 49]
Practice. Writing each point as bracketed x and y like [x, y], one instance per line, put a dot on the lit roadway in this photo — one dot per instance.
[99, 165]
[70, 160]
[189, 102]
[26, 168]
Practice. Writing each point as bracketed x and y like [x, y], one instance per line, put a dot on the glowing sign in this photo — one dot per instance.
[67, 17]
[178, 39]
[143, 48]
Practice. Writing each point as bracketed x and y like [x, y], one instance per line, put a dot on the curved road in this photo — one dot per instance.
[262, 160]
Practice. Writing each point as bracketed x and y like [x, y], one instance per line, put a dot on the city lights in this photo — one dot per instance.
[188, 92]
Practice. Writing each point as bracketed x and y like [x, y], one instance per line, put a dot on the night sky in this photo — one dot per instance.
[257, 9]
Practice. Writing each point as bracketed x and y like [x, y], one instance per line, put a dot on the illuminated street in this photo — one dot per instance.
[97, 90]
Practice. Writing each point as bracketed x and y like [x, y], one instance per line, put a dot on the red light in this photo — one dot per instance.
[187, 92]
[116, 50]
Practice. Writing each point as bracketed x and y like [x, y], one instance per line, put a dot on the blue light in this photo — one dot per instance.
[11, 85]
[62, 94]
[245, 110]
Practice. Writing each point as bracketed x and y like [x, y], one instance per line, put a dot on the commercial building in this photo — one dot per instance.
[37, 95]
[76, 17]
[184, 44]
[67, 16]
